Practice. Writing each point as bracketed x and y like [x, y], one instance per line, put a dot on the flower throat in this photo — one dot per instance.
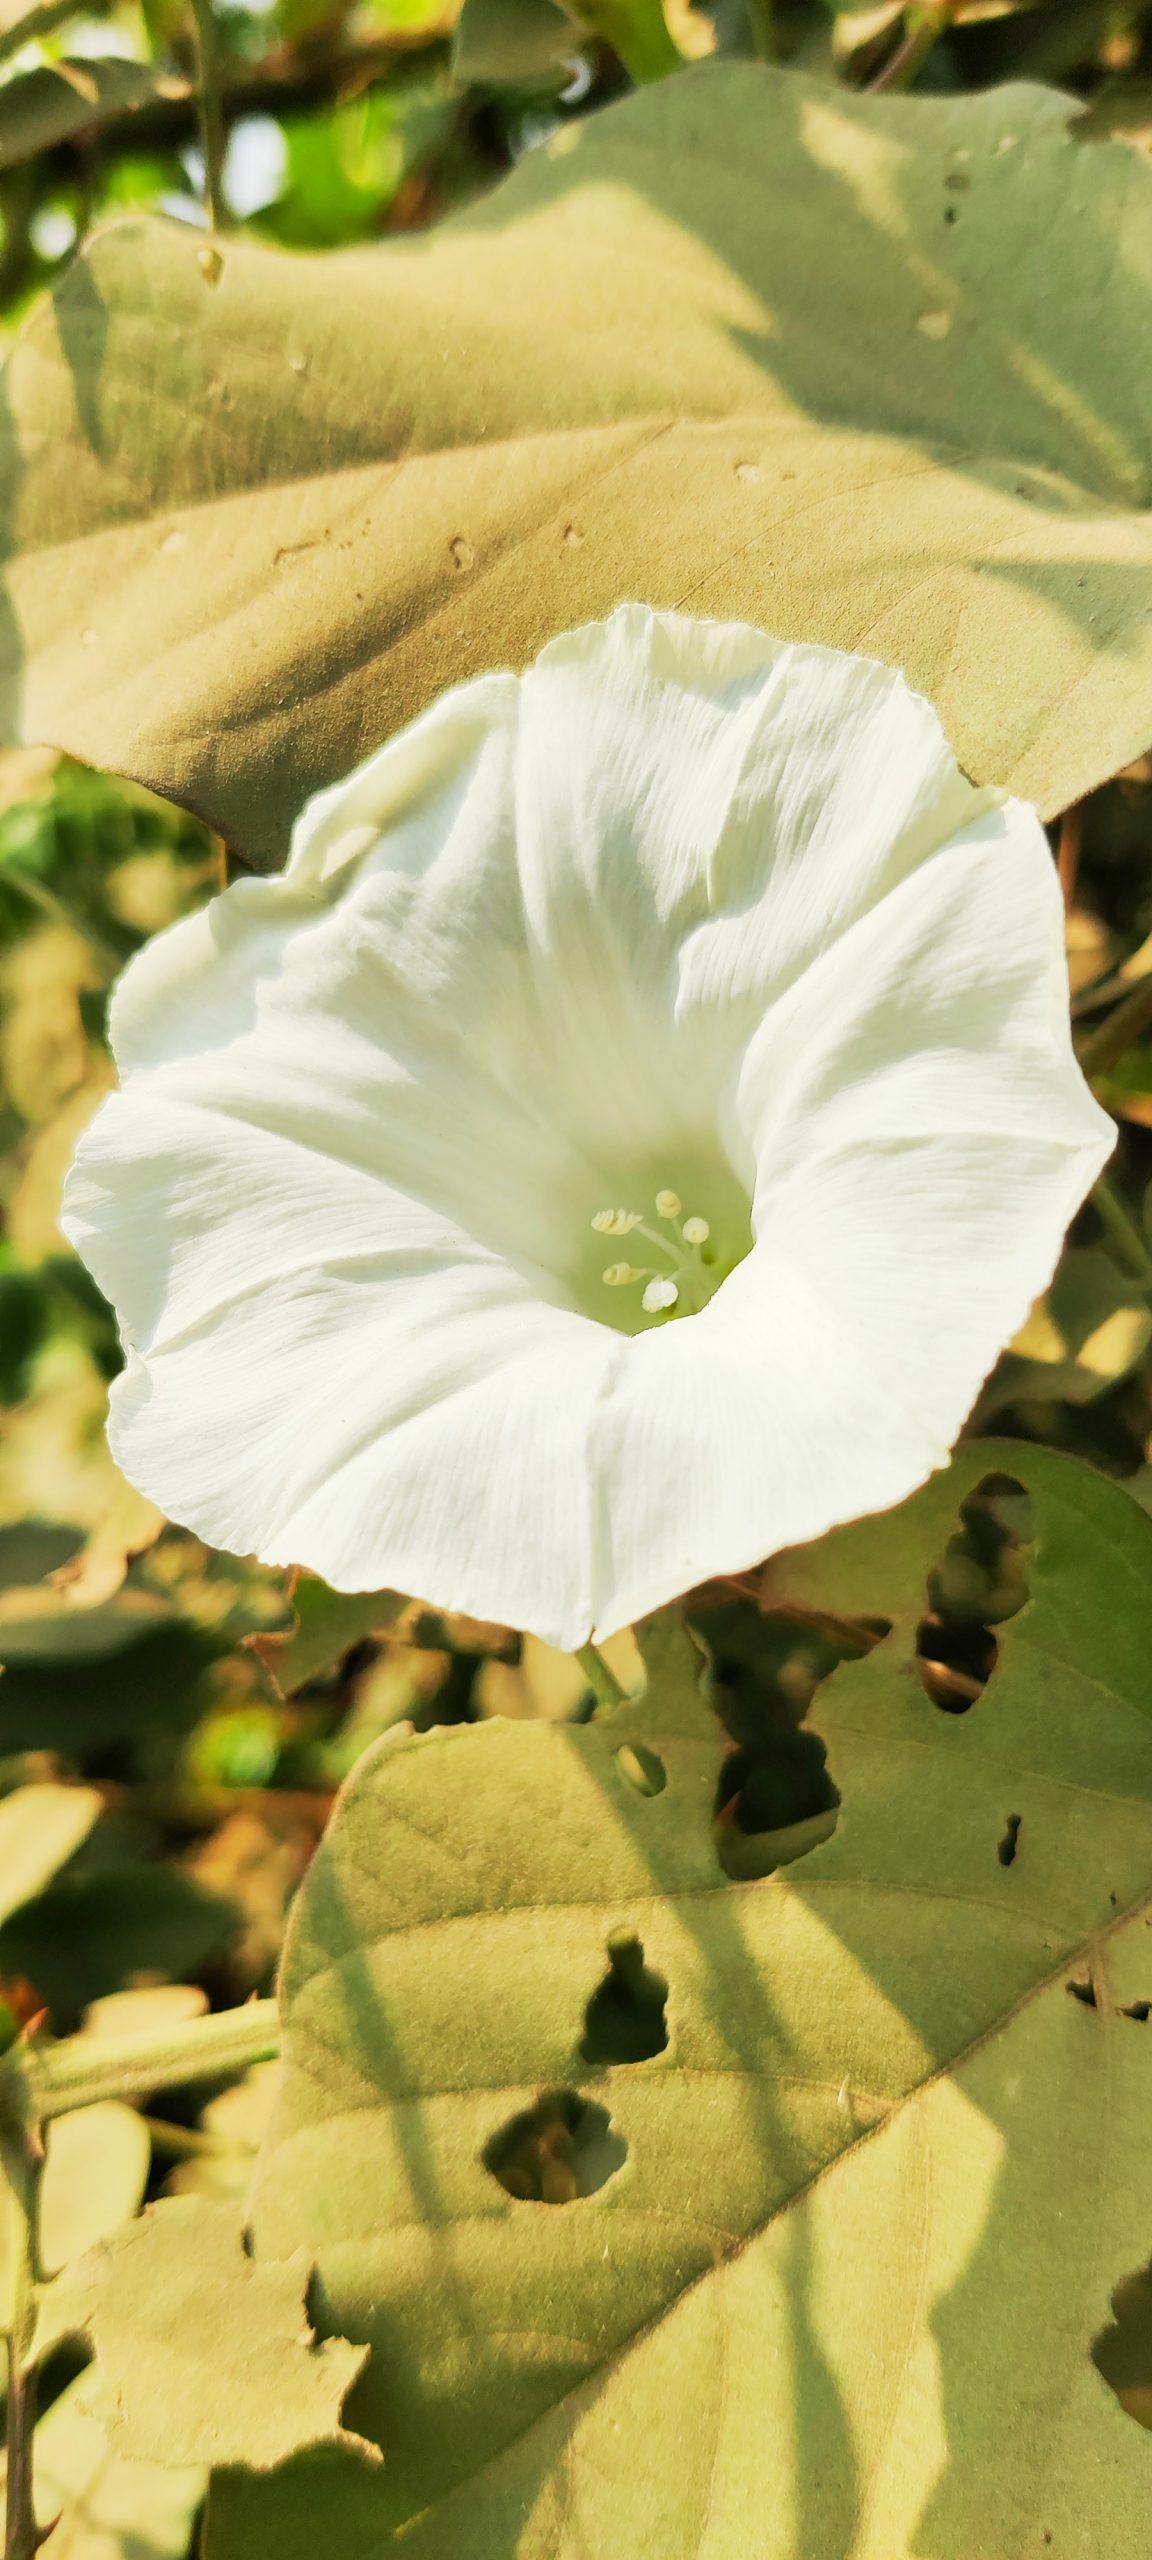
[688, 1272]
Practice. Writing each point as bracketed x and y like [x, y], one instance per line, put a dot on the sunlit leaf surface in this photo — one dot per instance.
[740, 343]
[697, 2217]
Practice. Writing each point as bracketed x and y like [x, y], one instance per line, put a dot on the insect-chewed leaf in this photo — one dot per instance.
[871, 371]
[203, 2356]
[703, 2217]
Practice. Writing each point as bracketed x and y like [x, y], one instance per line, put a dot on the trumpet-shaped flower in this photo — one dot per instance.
[616, 1148]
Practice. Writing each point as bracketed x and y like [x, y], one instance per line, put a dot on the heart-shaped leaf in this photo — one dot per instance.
[741, 344]
[705, 2218]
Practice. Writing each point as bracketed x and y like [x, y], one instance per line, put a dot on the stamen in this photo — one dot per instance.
[659, 1295]
[616, 1222]
[686, 1282]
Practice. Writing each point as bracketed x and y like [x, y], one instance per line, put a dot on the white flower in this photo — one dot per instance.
[684, 936]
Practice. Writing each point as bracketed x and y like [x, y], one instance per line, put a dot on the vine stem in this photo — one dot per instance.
[42, 2080]
[38, 2082]
[22, 2172]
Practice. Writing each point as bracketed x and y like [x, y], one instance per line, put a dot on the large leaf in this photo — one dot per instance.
[881, 2179]
[202, 2356]
[872, 371]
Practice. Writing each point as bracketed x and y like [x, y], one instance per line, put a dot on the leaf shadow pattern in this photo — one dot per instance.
[876, 425]
[823, 2288]
[459, 2394]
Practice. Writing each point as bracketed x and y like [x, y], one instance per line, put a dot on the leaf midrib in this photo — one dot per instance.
[1081, 1948]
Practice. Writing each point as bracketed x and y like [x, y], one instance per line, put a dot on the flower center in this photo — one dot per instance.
[688, 1269]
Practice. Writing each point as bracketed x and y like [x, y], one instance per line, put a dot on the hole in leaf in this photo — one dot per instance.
[562, 2148]
[1141, 2010]
[643, 1769]
[1006, 1850]
[772, 1810]
[1084, 1991]
[981, 1580]
[955, 1663]
[765, 1666]
[625, 2018]
[776, 1798]
[1122, 2354]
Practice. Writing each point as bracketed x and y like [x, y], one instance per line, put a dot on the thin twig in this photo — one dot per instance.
[213, 137]
[1068, 858]
[1099, 1049]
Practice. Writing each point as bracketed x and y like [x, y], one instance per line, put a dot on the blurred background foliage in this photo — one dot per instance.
[133, 1658]
[210, 1706]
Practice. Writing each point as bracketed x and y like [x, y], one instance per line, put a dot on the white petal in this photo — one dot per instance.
[680, 896]
[325, 1371]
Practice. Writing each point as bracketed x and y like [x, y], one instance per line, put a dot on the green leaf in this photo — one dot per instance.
[96, 1928]
[40, 1826]
[60, 101]
[881, 2179]
[1090, 1328]
[107, 2509]
[327, 1624]
[741, 344]
[514, 43]
[202, 2356]
[44, 1626]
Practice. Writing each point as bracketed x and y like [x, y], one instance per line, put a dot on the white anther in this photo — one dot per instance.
[618, 1275]
[658, 1295]
[668, 1204]
[616, 1222]
[696, 1230]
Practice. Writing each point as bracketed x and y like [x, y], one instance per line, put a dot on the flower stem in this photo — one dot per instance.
[606, 1688]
